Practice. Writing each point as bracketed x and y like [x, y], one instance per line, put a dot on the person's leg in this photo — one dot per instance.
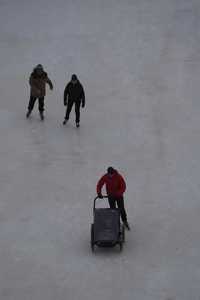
[77, 112]
[111, 202]
[31, 105]
[120, 204]
[68, 111]
[41, 107]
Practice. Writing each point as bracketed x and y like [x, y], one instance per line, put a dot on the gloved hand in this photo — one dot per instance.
[65, 103]
[83, 105]
[100, 196]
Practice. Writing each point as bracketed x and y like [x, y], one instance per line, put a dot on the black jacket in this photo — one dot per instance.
[74, 92]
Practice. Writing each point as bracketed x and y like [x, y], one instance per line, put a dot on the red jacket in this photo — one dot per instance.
[115, 185]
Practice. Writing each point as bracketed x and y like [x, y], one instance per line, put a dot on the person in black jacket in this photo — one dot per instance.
[74, 94]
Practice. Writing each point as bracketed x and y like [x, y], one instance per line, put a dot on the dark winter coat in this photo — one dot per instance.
[74, 93]
[115, 185]
[38, 83]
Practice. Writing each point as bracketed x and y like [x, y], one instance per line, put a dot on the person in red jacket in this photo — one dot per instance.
[115, 188]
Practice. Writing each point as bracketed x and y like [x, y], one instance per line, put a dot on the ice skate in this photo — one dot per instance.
[41, 116]
[127, 225]
[28, 114]
[65, 121]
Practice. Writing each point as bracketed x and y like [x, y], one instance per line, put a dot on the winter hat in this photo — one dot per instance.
[74, 77]
[39, 67]
[110, 170]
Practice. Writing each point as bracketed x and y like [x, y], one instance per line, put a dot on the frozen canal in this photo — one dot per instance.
[139, 62]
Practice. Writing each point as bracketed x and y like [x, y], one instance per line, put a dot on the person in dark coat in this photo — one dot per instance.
[74, 95]
[38, 80]
[115, 188]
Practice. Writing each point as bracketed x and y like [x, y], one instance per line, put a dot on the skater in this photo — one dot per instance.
[115, 187]
[38, 80]
[74, 95]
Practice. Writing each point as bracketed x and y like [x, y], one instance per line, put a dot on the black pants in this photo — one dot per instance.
[120, 204]
[77, 109]
[40, 103]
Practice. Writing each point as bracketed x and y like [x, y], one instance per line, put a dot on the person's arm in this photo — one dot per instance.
[82, 96]
[32, 82]
[122, 186]
[100, 184]
[49, 83]
[66, 93]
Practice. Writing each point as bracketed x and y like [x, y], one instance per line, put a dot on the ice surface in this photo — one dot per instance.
[139, 63]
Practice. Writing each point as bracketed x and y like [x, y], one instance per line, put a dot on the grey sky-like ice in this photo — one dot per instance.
[138, 61]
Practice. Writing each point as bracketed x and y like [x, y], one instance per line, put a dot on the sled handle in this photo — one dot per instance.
[97, 198]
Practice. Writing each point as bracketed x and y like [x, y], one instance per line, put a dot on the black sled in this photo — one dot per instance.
[106, 230]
